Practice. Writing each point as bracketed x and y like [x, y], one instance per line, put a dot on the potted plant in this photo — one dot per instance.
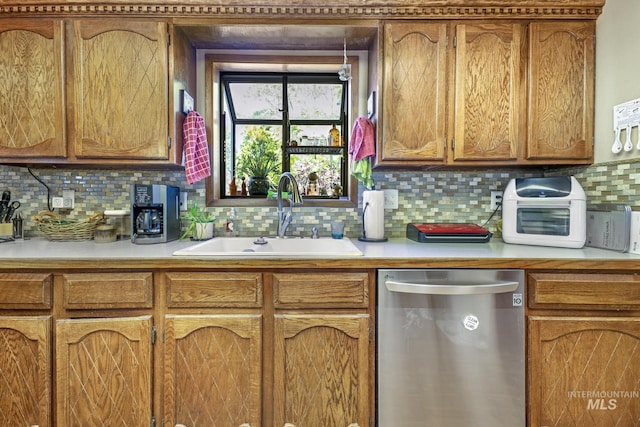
[259, 159]
[200, 223]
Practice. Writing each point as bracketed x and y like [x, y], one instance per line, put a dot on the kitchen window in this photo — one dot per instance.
[276, 122]
[293, 102]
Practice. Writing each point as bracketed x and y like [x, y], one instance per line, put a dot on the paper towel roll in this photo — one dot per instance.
[373, 205]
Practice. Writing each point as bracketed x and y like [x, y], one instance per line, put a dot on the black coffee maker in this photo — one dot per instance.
[155, 213]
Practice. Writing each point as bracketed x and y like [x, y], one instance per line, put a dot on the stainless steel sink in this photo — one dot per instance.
[272, 247]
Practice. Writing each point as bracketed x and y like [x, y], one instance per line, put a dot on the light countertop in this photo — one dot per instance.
[395, 253]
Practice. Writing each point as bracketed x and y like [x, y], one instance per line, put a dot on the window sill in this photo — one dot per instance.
[348, 201]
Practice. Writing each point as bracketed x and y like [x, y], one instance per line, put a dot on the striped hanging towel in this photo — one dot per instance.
[197, 164]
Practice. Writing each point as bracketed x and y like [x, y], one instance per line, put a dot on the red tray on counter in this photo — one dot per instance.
[448, 233]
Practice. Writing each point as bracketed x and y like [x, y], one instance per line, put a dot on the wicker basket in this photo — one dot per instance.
[62, 230]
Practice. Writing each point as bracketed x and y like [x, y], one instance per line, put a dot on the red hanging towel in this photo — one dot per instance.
[363, 141]
[197, 164]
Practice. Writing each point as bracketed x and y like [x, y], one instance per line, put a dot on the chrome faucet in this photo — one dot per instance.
[284, 218]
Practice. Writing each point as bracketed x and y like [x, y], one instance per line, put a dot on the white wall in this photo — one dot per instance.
[617, 73]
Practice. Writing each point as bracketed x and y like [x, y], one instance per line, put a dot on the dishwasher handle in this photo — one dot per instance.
[446, 287]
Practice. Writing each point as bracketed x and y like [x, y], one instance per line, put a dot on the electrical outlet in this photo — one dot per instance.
[390, 198]
[68, 199]
[496, 199]
[57, 202]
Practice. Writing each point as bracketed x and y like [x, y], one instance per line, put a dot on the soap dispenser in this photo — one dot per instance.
[231, 223]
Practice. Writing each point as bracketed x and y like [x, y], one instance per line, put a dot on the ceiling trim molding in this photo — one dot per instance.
[578, 11]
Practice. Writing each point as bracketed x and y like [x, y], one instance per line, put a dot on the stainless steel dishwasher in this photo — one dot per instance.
[450, 348]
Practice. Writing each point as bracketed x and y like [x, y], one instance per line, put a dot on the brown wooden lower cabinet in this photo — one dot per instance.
[268, 349]
[25, 371]
[276, 348]
[321, 370]
[584, 371]
[103, 372]
[583, 350]
[26, 349]
[212, 370]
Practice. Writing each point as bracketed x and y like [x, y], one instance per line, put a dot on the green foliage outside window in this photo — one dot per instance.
[327, 168]
[260, 154]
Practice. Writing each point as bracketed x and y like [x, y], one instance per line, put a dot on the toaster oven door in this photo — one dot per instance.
[543, 220]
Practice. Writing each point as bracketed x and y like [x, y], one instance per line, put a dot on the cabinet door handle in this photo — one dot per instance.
[245, 425]
[288, 425]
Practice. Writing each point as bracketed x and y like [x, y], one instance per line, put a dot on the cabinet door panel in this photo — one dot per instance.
[32, 113]
[490, 90]
[103, 372]
[25, 371]
[561, 90]
[321, 370]
[583, 372]
[212, 370]
[414, 93]
[120, 89]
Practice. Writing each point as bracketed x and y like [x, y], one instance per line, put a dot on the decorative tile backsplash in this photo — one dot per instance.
[423, 196]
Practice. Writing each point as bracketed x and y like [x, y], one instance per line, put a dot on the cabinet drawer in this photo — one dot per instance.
[326, 290]
[220, 289]
[25, 290]
[584, 291]
[107, 290]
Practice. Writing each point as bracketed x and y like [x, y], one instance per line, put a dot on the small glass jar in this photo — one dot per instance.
[121, 220]
[105, 233]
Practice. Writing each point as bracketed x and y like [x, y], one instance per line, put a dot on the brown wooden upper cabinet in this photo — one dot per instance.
[488, 114]
[32, 106]
[119, 89]
[456, 93]
[414, 86]
[90, 91]
[561, 91]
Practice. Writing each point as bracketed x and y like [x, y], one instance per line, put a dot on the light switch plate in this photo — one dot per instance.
[390, 198]
[183, 201]
[68, 199]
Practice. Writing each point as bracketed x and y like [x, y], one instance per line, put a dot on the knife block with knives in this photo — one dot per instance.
[6, 229]
[7, 211]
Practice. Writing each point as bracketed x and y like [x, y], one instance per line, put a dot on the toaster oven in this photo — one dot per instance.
[544, 212]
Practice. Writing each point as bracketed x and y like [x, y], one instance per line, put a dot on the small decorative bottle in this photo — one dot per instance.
[233, 188]
[231, 223]
[334, 136]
